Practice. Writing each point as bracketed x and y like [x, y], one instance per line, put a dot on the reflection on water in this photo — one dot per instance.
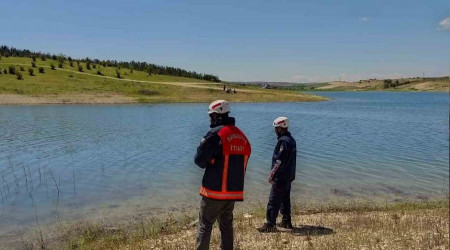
[359, 145]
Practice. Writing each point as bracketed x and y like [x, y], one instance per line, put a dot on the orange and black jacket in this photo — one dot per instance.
[223, 153]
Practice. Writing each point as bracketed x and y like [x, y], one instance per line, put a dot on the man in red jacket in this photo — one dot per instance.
[223, 153]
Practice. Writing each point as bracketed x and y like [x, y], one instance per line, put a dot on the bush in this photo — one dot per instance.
[1, 71]
[19, 76]
[43, 58]
[52, 66]
[70, 63]
[99, 72]
[41, 70]
[131, 71]
[5, 71]
[94, 66]
[22, 68]
[118, 74]
[31, 71]
[33, 58]
[387, 83]
[54, 57]
[60, 65]
[12, 70]
[80, 68]
[147, 92]
[88, 65]
[33, 64]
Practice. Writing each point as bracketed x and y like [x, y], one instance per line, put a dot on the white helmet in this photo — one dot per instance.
[219, 107]
[282, 122]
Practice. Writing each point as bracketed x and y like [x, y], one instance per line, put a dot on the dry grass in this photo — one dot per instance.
[440, 84]
[334, 226]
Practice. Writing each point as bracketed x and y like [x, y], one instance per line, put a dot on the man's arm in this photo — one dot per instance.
[280, 161]
[206, 149]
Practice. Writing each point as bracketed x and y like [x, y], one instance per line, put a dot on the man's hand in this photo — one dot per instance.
[274, 170]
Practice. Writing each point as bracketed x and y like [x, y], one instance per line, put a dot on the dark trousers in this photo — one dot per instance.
[280, 198]
[210, 210]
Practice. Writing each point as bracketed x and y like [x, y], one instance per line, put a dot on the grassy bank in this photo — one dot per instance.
[355, 225]
[78, 84]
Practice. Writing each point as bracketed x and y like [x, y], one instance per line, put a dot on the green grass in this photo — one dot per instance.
[138, 85]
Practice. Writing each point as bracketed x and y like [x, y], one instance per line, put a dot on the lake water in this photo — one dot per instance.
[362, 145]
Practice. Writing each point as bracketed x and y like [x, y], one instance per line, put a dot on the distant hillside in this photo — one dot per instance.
[402, 84]
[275, 84]
[31, 80]
[150, 68]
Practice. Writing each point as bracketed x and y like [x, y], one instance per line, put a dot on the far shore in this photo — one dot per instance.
[113, 98]
[109, 85]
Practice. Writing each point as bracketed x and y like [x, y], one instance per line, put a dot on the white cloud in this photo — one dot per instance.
[308, 79]
[365, 19]
[444, 24]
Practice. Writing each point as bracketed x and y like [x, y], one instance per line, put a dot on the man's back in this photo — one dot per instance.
[286, 152]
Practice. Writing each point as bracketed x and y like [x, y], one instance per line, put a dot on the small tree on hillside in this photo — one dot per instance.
[118, 74]
[43, 58]
[94, 66]
[5, 71]
[19, 76]
[12, 70]
[33, 58]
[80, 68]
[60, 65]
[88, 65]
[1, 71]
[131, 71]
[387, 83]
[41, 70]
[31, 71]
[33, 64]
[22, 68]
[70, 63]
[52, 66]
[99, 72]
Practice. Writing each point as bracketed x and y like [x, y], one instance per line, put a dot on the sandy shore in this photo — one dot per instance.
[11, 99]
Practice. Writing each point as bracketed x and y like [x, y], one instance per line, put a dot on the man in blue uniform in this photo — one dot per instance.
[281, 175]
[223, 153]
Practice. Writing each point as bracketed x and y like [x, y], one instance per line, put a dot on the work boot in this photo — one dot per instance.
[285, 224]
[267, 228]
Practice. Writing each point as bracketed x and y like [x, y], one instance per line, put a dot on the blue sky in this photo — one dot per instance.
[301, 41]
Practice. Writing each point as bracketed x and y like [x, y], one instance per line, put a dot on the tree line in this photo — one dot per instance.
[150, 68]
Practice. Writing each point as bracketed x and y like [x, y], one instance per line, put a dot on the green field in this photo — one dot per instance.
[69, 85]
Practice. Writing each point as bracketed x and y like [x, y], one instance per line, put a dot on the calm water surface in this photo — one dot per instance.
[364, 145]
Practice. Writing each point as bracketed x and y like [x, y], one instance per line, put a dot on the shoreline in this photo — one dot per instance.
[350, 222]
[113, 99]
